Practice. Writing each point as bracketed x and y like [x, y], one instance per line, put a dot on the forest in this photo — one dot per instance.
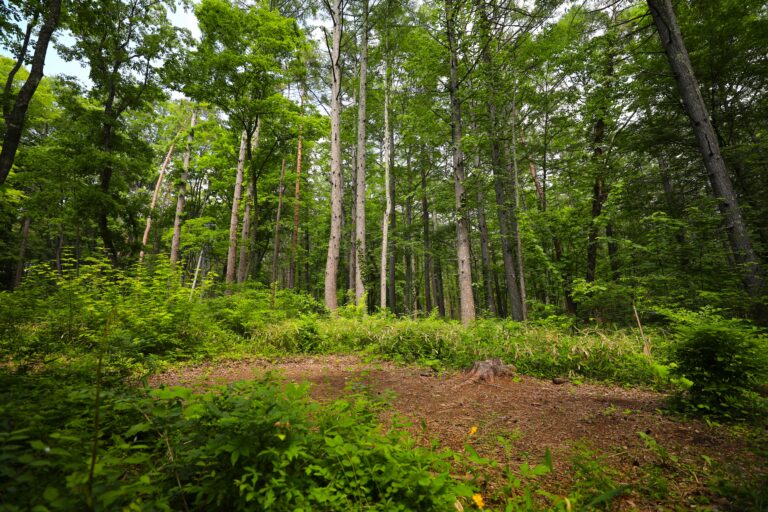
[383, 255]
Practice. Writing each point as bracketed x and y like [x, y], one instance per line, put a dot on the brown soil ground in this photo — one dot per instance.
[600, 422]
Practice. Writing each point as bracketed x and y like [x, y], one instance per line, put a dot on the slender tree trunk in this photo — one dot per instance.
[334, 243]
[516, 221]
[392, 267]
[234, 216]
[296, 204]
[677, 55]
[159, 184]
[20, 56]
[249, 216]
[14, 121]
[360, 187]
[22, 251]
[388, 198]
[485, 252]
[408, 252]
[276, 242]
[182, 192]
[427, 242]
[466, 298]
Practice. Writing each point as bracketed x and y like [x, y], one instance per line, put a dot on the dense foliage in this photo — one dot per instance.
[577, 188]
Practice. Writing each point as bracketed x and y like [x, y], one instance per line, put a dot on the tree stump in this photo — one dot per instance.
[489, 369]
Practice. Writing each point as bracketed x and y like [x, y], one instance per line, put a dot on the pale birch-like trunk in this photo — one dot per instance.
[296, 204]
[276, 242]
[334, 242]
[466, 299]
[182, 193]
[245, 233]
[145, 238]
[234, 217]
[387, 193]
[677, 55]
[360, 186]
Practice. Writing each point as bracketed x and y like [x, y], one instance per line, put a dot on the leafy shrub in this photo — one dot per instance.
[249, 446]
[725, 360]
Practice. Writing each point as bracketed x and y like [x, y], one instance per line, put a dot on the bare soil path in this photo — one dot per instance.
[532, 414]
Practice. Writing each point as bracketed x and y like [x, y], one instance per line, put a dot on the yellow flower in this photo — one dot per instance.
[472, 431]
[478, 499]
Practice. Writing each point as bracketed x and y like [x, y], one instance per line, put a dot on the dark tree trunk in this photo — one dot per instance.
[392, 253]
[485, 252]
[14, 121]
[677, 55]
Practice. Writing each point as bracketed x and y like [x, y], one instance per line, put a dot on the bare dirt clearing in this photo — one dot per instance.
[532, 414]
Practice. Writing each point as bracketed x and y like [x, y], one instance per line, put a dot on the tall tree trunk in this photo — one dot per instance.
[427, 242]
[249, 216]
[408, 251]
[677, 55]
[234, 216]
[466, 298]
[392, 267]
[334, 242]
[152, 203]
[22, 251]
[182, 192]
[296, 203]
[388, 197]
[515, 218]
[14, 121]
[485, 252]
[276, 242]
[360, 185]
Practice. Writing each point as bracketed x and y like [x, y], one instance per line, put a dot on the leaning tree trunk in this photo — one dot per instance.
[182, 193]
[158, 185]
[14, 121]
[334, 242]
[677, 55]
[234, 216]
[360, 178]
[467, 301]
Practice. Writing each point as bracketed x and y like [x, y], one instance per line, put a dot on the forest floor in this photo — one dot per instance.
[592, 430]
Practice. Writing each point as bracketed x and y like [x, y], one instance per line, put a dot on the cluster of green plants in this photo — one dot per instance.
[252, 445]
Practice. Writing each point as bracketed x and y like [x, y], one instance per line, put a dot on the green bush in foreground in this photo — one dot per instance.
[249, 446]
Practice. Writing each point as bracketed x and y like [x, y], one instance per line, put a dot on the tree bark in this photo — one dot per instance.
[427, 242]
[152, 203]
[677, 55]
[182, 192]
[296, 204]
[467, 301]
[276, 242]
[360, 185]
[249, 216]
[388, 197]
[14, 121]
[515, 219]
[485, 252]
[234, 216]
[334, 242]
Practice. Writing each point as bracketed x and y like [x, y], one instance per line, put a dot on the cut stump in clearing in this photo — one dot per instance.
[489, 369]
